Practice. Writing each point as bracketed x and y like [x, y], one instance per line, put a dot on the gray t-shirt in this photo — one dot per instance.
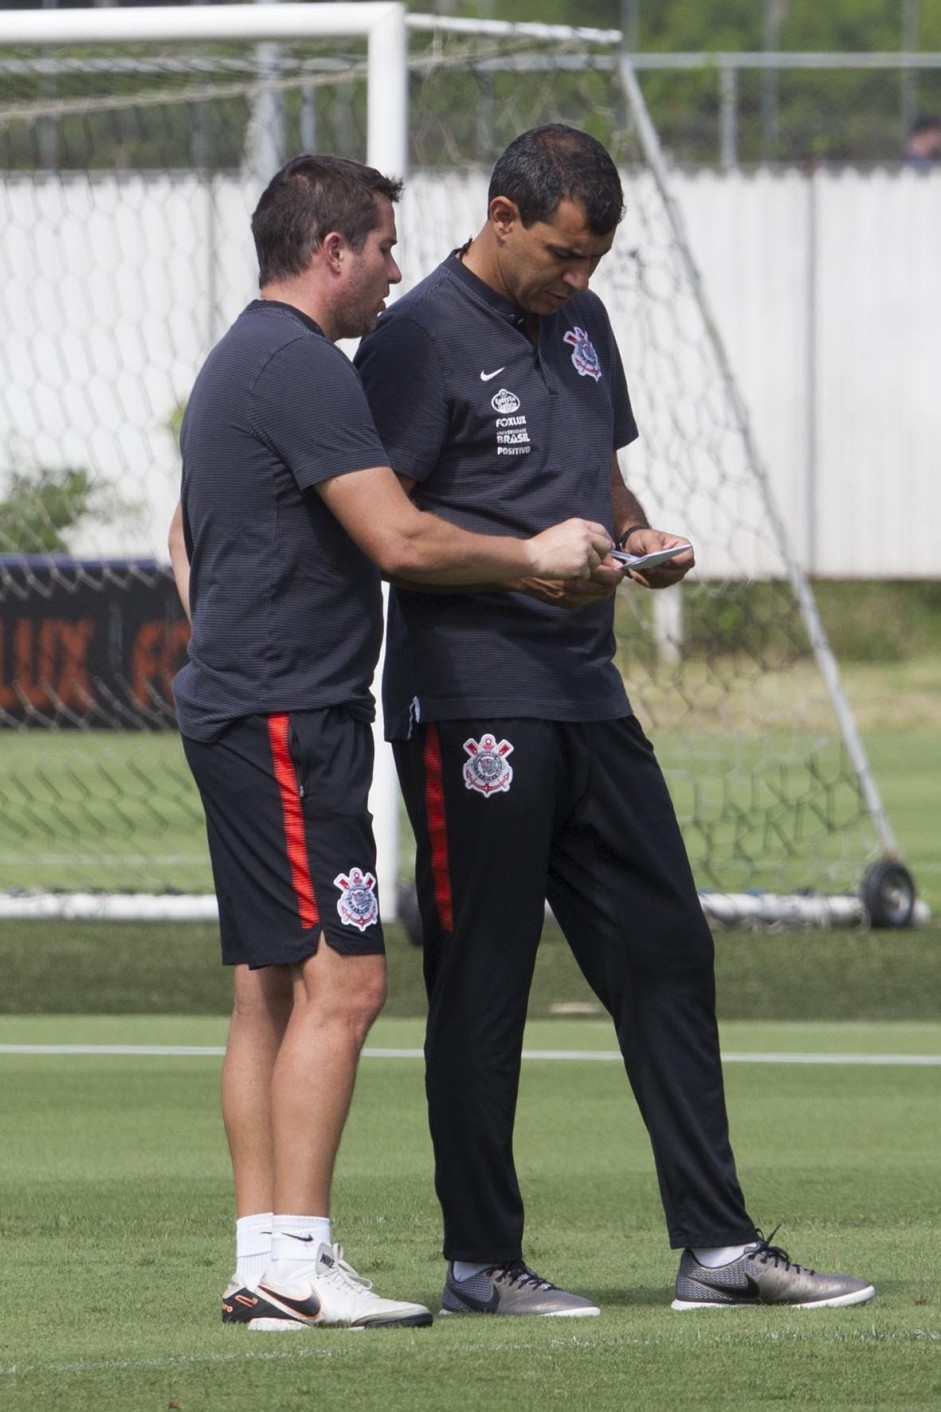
[287, 611]
[502, 436]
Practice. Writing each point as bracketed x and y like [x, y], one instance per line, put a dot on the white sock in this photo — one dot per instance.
[464, 1270]
[252, 1248]
[712, 1256]
[295, 1241]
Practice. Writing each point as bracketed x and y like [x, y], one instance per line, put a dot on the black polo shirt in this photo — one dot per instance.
[503, 437]
[287, 611]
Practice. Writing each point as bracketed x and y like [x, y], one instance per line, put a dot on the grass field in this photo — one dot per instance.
[114, 1193]
[118, 811]
[87, 811]
[115, 1205]
[111, 968]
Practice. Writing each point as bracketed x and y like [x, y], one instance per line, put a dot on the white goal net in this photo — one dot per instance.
[128, 170]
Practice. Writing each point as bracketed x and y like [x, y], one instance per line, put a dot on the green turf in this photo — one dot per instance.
[119, 812]
[154, 968]
[111, 810]
[116, 1224]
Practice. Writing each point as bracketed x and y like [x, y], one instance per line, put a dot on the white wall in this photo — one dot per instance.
[826, 290]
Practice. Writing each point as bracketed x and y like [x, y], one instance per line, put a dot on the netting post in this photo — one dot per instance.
[668, 624]
[807, 604]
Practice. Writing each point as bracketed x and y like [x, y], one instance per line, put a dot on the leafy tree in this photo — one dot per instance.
[40, 505]
[790, 115]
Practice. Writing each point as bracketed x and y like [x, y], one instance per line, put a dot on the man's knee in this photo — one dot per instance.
[344, 990]
[264, 994]
[369, 997]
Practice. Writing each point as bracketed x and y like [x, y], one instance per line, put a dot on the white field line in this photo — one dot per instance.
[335, 1345]
[300, 1348]
[607, 1056]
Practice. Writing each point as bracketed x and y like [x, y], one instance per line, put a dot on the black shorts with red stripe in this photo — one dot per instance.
[290, 834]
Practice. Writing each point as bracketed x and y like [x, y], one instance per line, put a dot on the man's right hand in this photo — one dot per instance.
[569, 550]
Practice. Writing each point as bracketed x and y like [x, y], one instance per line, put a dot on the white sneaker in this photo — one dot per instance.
[330, 1293]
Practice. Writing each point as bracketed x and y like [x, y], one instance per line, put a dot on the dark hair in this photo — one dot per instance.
[550, 164]
[309, 197]
[924, 124]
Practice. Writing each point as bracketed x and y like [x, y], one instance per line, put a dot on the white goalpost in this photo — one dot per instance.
[133, 145]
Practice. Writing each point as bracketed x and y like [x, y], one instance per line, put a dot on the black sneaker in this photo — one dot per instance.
[511, 1289]
[240, 1305]
[764, 1275]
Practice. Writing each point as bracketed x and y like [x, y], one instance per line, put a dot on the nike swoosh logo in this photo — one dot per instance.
[306, 1308]
[306, 1239]
[485, 377]
[748, 1290]
[478, 1306]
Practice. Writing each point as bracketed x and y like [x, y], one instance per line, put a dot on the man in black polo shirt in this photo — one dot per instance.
[497, 389]
[287, 507]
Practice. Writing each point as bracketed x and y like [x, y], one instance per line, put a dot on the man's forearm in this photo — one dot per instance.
[179, 559]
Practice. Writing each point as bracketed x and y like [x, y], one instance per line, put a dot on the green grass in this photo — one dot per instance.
[115, 1207]
[116, 1223]
[75, 968]
[118, 811]
[113, 810]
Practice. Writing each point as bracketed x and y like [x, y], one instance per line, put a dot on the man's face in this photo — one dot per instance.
[542, 266]
[369, 274]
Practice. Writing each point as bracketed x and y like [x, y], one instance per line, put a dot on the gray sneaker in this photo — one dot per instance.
[765, 1275]
[511, 1289]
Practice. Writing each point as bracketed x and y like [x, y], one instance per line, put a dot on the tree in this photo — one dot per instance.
[39, 505]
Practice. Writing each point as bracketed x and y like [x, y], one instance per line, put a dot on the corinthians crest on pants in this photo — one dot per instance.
[357, 903]
[488, 770]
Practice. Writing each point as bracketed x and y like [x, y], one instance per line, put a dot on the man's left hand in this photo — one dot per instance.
[649, 541]
[573, 594]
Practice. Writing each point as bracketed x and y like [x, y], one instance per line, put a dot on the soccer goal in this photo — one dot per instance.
[133, 146]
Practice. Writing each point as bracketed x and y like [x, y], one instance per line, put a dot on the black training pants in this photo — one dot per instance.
[506, 814]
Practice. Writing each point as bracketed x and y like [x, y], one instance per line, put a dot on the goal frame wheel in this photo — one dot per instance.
[888, 894]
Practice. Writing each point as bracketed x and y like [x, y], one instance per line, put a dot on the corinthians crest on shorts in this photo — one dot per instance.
[584, 356]
[488, 770]
[357, 903]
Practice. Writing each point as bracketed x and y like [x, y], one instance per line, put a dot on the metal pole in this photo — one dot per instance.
[187, 23]
[387, 131]
[630, 25]
[908, 78]
[810, 375]
[48, 127]
[265, 139]
[728, 117]
[770, 82]
[823, 653]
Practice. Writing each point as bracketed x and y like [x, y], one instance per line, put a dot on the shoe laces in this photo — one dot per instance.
[519, 1275]
[340, 1271]
[774, 1254]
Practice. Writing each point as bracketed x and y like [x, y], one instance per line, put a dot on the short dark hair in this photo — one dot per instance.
[309, 197]
[555, 162]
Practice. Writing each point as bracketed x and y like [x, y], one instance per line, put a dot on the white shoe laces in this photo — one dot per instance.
[341, 1272]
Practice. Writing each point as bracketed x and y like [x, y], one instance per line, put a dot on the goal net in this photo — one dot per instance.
[128, 170]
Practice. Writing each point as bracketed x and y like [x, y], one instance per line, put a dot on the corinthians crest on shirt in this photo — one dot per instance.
[487, 770]
[584, 356]
[357, 904]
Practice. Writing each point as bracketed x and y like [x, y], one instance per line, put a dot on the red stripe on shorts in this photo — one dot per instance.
[437, 828]
[294, 836]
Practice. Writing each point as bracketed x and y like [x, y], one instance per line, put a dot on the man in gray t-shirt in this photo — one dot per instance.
[287, 507]
[499, 395]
